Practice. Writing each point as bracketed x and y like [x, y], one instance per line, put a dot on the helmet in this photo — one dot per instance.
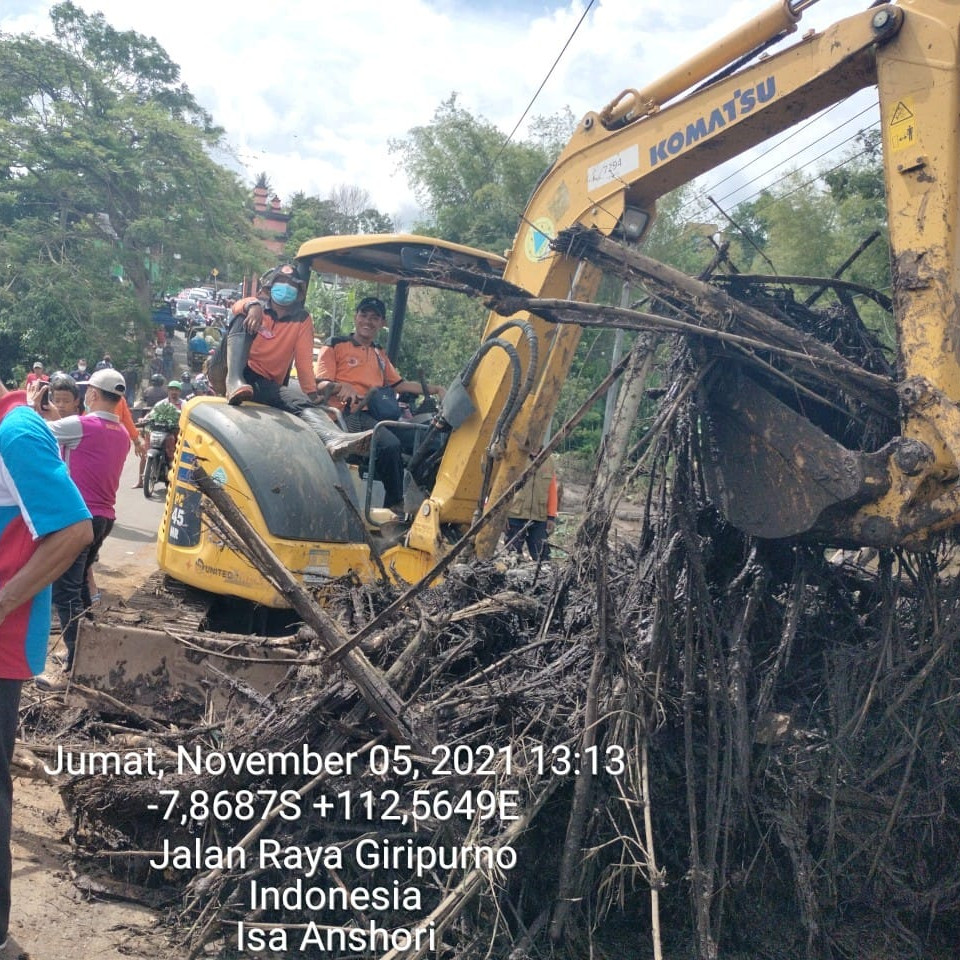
[287, 273]
[185, 375]
[157, 379]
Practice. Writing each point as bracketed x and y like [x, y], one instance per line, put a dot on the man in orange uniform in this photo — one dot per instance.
[267, 334]
[348, 368]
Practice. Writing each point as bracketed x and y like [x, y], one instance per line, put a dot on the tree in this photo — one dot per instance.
[552, 133]
[441, 333]
[347, 210]
[471, 182]
[107, 191]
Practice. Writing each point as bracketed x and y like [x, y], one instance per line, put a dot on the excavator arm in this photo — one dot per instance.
[647, 142]
[773, 471]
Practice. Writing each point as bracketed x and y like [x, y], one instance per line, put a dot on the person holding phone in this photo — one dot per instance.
[95, 446]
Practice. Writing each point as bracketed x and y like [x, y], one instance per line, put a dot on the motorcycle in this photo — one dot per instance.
[163, 442]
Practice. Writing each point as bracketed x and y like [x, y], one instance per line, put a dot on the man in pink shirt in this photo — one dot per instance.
[94, 447]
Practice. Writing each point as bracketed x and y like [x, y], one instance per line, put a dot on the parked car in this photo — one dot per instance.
[184, 306]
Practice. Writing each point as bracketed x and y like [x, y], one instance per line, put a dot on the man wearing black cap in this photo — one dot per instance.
[94, 447]
[348, 368]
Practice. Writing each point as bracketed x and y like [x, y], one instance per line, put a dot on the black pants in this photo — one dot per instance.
[9, 711]
[71, 595]
[531, 532]
[388, 467]
[273, 394]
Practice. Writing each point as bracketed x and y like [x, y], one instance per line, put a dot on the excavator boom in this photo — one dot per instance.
[622, 159]
[606, 182]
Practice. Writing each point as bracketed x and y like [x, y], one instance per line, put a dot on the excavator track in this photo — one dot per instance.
[155, 650]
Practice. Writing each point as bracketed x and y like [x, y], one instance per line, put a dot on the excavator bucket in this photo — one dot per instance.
[773, 472]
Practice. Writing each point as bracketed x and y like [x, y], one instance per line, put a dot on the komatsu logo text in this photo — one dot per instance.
[740, 104]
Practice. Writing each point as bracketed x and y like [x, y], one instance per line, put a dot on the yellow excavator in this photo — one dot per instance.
[608, 179]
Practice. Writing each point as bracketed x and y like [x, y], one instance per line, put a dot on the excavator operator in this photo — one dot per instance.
[363, 383]
[267, 334]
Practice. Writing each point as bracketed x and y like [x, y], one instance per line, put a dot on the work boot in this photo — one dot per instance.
[339, 444]
[215, 369]
[238, 350]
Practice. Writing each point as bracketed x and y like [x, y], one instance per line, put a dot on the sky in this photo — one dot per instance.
[313, 93]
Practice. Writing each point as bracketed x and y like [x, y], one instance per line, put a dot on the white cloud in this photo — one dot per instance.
[312, 94]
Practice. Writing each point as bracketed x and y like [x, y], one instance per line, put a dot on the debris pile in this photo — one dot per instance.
[694, 744]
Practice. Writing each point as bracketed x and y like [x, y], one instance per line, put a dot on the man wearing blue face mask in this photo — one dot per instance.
[267, 335]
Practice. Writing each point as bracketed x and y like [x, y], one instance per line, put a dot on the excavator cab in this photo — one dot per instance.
[318, 514]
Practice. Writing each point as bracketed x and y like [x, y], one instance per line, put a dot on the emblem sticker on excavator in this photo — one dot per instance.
[536, 245]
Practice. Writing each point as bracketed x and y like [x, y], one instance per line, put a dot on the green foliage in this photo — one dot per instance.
[58, 309]
[334, 304]
[441, 332]
[342, 213]
[551, 133]
[861, 177]
[472, 184]
[104, 173]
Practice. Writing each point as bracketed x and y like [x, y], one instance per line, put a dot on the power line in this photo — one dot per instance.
[819, 175]
[822, 173]
[776, 146]
[544, 81]
[793, 156]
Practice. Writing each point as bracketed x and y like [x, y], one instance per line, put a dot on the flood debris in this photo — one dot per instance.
[691, 742]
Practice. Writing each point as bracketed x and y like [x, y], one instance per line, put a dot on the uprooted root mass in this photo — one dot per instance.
[797, 718]
[767, 739]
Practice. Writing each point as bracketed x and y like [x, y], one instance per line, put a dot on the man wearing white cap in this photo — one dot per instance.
[37, 375]
[94, 447]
